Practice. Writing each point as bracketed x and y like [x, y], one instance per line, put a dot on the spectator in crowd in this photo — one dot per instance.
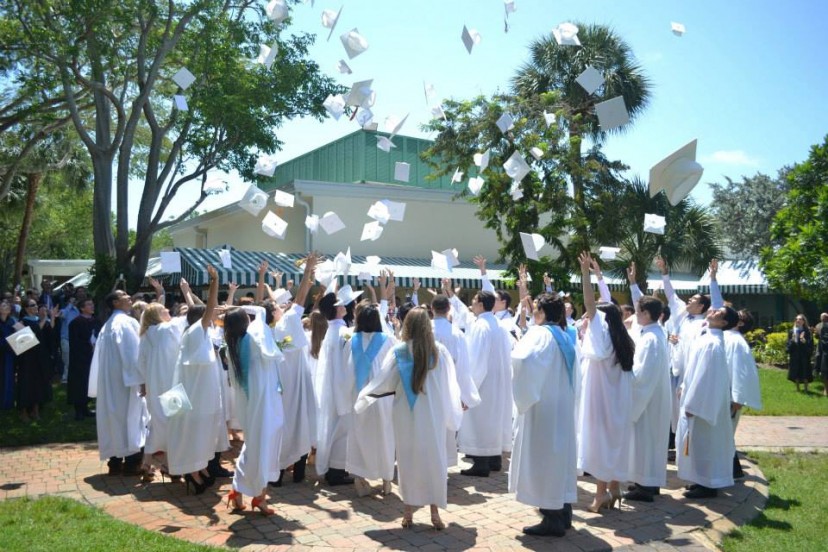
[800, 347]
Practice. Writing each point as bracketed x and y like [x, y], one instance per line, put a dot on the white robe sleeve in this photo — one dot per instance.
[127, 343]
[293, 326]
[636, 294]
[468, 390]
[603, 289]
[477, 341]
[452, 407]
[486, 284]
[701, 398]
[597, 344]
[528, 375]
[716, 299]
[745, 377]
[344, 381]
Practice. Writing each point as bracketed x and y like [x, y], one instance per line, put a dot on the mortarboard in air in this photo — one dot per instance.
[677, 174]
[516, 167]
[265, 165]
[515, 191]
[481, 160]
[373, 260]
[326, 274]
[267, 54]
[329, 20]
[331, 223]
[677, 28]
[22, 340]
[334, 105]
[371, 231]
[394, 124]
[343, 67]
[342, 262]
[505, 123]
[549, 118]
[281, 296]
[332, 284]
[170, 262]
[354, 43]
[475, 184]
[364, 117]
[254, 200]
[532, 244]
[225, 258]
[277, 10]
[438, 113]
[654, 224]
[361, 94]
[312, 223]
[590, 80]
[445, 260]
[566, 34]
[184, 78]
[470, 38]
[174, 400]
[180, 102]
[274, 226]
[364, 277]
[537, 153]
[401, 171]
[215, 185]
[395, 208]
[283, 199]
[379, 212]
[612, 113]
[608, 253]
[385, 144]
[429, 91]
[457, 177]
[509, 5]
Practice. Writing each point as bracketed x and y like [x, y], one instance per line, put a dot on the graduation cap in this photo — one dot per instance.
[395, 208]
[532, 243]
[180, 102]
[312, 223]
[516, 167]
[283, 199]
[475, 184]
[267, 54]
[274, 226]
[379, 212]
[608, 253]
[342, 262]
[482, 160]
[537, 153]
[457, 176]
[22, 340]
[612, 113]
[277, 10]
[393, 124]
[566, 34]
[265, 165]
[326, 273]
[225, 258]
[470, 38]
[346, 296]
[331, 223]
[329, 20]
[334, 105]
[361, 94]
[174, 401]
[438, 113]
[676, 174]
[365, 117]
[401, 171]
[445, 260]
[184, 78]
[654, 224]
[170, 262]
[590, 80]
[385, 144]
[354, 43]
[505, 123]
[677, 28]
[254, 200]
[371, 231]
[343, 67]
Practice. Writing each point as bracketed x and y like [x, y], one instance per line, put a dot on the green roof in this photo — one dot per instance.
[356, 158]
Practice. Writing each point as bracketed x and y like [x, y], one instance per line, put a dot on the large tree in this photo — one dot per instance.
[744, 211]
[110, 66]
[796, 261]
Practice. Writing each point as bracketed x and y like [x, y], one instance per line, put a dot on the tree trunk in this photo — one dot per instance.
[32, 184]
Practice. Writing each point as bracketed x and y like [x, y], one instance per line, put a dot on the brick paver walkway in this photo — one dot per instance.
[481, 515]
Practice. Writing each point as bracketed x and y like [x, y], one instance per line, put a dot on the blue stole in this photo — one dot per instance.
[405, 364]
[364, 358]
[244, 360]
[567, 346]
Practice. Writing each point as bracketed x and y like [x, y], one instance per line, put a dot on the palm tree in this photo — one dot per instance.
[555, 68]
[690, 238]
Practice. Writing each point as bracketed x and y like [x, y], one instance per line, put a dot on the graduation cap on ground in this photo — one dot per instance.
[677, 174]
[174, 401]
[254, 200]
[654, 224]
[590, 80]
[274, 226]
[470, 38]
[354, 43]
[566, 34]
[612, 113]
[532, 244]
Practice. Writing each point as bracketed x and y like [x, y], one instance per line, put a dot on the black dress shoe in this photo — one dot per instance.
[738, 473]
[299, 469]
[552, 525]
[701, 492]
[690, 487]
[638, 494]
[567, 515]
[496, 463]
[336, 476]
[475, 472]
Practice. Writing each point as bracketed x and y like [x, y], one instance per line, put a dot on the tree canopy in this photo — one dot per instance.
[109, 67]
[796, 261]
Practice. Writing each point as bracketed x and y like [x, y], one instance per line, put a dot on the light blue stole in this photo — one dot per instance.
[566, 343]
[405, 364]
[364, 358]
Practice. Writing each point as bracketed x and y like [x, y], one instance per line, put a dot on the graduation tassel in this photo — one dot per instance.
[687, 445]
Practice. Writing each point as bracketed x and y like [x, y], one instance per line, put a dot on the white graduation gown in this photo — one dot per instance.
[420, 432]
[157, 355]
[331, 428]
[298, 400]
[605, 405]
[650, 408]
[122, 415]
[371, 436]
[744, 374]
[487, 430]
[543, 469]
[194, 435]
[260, 412]
[454, 341]
[708, 457]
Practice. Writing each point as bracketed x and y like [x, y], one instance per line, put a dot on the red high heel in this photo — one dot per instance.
[261, 504]
[235, 501]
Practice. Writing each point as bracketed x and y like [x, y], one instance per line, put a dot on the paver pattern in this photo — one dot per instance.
[481, 515]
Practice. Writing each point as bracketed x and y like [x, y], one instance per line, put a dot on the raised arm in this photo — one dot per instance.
[603, 288]
[415, 293]
[185, 291]
[716, 299]
[260, 284]
[159, 290]
[212, 298]
[585, 261]
[232, 288]
[635, 291]
[486, 285]
[307, 280]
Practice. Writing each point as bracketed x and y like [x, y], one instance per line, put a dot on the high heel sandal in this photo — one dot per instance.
[261, 505]
[208, 479]
[437, 523]
[235, 501]
[199, 487]
[408, 520]
[606, 502]
[616, 499]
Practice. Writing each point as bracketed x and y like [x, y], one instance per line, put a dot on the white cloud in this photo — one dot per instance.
[731, 157]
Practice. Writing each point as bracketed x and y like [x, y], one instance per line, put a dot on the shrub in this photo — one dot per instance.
[783, 327]
[756, 338]
[774, 351]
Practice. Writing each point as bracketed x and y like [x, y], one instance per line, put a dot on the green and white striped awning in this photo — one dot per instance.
[737, 278]
[245, 264]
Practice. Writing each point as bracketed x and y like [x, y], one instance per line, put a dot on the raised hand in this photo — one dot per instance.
[480, 262]
[263, 267]
[631, 273]
[415, 283]
[714, 268]
[661, 264]
[585, 260]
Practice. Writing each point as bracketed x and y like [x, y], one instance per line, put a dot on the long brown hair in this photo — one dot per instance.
[318, 327]
[417, 333]
[235, 328]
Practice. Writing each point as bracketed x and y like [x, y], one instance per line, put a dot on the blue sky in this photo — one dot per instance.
[749, 79]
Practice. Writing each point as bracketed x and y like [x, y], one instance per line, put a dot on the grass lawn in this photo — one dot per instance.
[56, 425]
[794, 518]
[779, 396]
[55, 524]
